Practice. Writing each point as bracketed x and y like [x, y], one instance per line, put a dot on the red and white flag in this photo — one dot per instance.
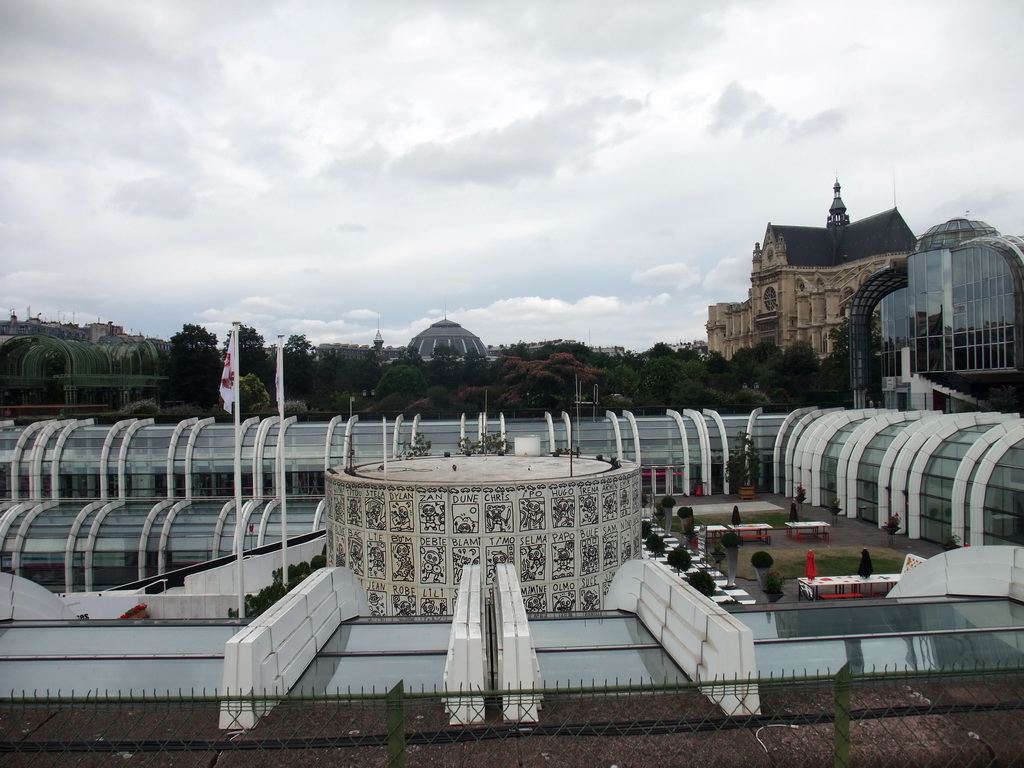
[229, 378]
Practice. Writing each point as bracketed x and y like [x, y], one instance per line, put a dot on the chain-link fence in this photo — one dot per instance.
[949, 719]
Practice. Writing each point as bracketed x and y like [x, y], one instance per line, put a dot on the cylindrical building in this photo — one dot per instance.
[408, 529]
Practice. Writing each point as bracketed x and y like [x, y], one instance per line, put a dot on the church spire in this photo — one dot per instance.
[837, 216]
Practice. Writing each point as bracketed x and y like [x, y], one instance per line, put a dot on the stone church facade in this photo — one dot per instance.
[802, 279]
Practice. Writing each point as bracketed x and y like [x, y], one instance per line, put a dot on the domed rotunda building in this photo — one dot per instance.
[446, 333]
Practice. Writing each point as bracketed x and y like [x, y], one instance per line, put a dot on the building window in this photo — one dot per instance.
[771, 301]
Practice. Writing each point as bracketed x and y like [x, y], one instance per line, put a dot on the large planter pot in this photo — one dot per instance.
[760, 576]
[746, 491]
[732, 556]
[774, 597]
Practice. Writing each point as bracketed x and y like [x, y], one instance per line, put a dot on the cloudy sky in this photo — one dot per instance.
[580, 169]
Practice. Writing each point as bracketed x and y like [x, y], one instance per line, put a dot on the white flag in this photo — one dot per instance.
[279, 377]
[228, 378]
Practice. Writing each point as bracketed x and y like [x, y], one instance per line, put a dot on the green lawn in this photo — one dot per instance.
[833, 561]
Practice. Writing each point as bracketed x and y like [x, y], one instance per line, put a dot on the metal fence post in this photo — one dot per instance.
[395, 721]
[842, 717]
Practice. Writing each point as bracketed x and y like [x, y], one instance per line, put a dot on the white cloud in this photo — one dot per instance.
[584, 169]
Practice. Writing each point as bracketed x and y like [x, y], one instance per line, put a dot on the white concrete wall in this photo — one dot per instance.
[989, 571]
[465, 668]
[518, 668]
[258, 571]
[24, 599]
[707, 643]
[268, 656]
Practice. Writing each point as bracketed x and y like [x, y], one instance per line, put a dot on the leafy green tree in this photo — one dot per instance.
[253, 356]
[445, 367]
[254, 396]
[299, 368]
[679, 559]
[549, 383]
[403, 380]
[658, 378]
[194, 366]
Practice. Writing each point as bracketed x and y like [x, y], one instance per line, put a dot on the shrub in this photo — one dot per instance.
[679, 559]
[645, 529]
[667, 501]
[703, 582]
[773, 583]
[731, 539]
[762, 560]
[655, 543]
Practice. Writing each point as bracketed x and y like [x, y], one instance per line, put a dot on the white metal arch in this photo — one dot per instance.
[462, 429]
[811, 453]
[147, 527]
[800, 425]
[35, 472]
[889, 459]
[329, 440]
[122, 455]
[986, 466]
[964, 473]
[751, 421]
[396, 434]
[318, 518]
[108, 444]
[717, 418]
[218, 529]
[778, 459]
[190, 449]
[240, 529]
[90, 542]
[415, 429]
[72, 540]
[165, 532]
[552, 446]
[18, 544]
[27, 435]
[681, 425]
[567, 420]
[705, 449]
[172, 451]
[919, 458]
[501, 427]
[259, 449]
[853, 452]
[10, 514]
[914, 443]
[614, 419]
[628, 415]
[58, 450]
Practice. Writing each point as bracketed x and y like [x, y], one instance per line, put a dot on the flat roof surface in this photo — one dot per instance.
[891, 634]
[483, 469]
[113, 658]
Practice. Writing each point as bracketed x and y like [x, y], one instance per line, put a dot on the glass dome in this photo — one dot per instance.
[446, 333]
[951, 233]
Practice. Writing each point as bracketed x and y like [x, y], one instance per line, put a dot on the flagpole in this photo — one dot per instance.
[384, 442]
[237, 408]
[280, 459]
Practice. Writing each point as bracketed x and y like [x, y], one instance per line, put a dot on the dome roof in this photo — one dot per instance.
[446, 333]
[951, 233]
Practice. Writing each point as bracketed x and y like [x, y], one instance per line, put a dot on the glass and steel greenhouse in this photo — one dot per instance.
[85, 506]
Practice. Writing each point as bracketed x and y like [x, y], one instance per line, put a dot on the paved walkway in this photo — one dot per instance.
[844, 532]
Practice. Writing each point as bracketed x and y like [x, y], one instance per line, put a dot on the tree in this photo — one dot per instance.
[658, 378]
[194, 366]
[445, 367]
[252, 355]
[549, 383]
[679, 559]
[299, 367]
[744, 464]
[403, 380]
[254, 396]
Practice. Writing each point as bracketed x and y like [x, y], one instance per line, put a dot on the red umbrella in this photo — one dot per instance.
[811, 569]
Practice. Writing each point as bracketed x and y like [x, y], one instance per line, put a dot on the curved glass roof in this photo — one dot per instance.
[953, 232]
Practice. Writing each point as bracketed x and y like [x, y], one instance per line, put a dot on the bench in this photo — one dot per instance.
[764, 536]
[838, 595]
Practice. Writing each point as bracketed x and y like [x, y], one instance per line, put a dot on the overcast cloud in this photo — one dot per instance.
[588, 170]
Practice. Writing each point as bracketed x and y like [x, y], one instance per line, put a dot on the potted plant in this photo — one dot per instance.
[835, 509]
[645, 529]
[772, 586]
[892, 525]
[762, 562]
[690, 532]
[743, 468]
[801, 495]
[952, 542]
[679, 559]
[667, 504]
[731, 543]
[703, 582]
[718, 555]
